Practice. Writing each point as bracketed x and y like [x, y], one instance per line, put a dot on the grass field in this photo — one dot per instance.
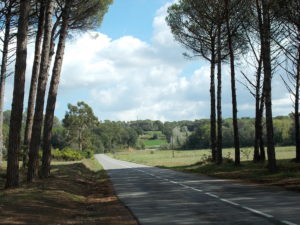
[195, 161]
[149, 143]
[170, 158]
[76, 193]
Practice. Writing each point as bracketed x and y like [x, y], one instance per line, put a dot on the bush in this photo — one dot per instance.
[66, 154]
[140, 145]
[88, 154]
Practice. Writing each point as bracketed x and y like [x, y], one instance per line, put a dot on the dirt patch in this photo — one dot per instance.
[73, 195]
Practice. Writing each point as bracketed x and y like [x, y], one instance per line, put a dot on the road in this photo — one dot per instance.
[164, 197]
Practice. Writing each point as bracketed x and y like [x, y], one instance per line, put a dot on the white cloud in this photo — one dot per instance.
[127, 78]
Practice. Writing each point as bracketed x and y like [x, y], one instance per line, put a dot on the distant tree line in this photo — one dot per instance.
[284, 132]
[80, 130]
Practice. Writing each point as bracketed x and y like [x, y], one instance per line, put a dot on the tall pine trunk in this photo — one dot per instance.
[12, 176]
[219, 99]
[33, 83]
[6, 41]
[261, 129]
[258, 116]
[48, 122]
[262, 97]
[233, 88]
[297, 128]
[213, 104]
[266, 52]
[40, 97]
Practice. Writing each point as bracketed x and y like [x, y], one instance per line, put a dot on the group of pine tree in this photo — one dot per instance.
[47, 23]
[225, 31]
[264, 32]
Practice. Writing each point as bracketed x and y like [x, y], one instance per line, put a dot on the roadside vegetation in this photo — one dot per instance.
[76, 193]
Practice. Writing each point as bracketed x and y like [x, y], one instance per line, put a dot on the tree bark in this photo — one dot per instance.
[233, 88]
[12, 176]
[213, 104]
[261, 129]
[258, 115]
[219, 100]
[48, 122]
[266, 52]
[40, 98]
[33, 83]
[297, 128]
[6, 41]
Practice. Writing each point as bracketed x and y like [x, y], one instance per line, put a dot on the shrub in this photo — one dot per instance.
[88, 154]
[66, 154]
[140, 145]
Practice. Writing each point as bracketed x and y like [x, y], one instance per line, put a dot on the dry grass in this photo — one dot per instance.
[77, 193]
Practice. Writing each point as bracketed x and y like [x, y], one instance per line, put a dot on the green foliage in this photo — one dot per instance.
[69, 154]
[79, 116]
[88, 14]
[66, 154]
[79, 121]
[115, 135]
[140, 145]
[59, 138]
[88, 154]
[199, 138]
[110, 136]
[146, 125]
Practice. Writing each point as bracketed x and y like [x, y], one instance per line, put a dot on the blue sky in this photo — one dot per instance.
[131, 68]
[131, 17]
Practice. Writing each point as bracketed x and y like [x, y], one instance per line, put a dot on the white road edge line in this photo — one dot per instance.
[207, 193]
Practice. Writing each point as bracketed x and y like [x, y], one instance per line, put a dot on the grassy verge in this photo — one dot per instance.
[76, 193]
[288, 175]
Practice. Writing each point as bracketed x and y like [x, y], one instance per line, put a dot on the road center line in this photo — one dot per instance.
[228, 201]
[211, 195]
[288, 222]
[258, 212]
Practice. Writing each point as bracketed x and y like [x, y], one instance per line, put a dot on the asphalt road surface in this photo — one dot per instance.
[165, 197]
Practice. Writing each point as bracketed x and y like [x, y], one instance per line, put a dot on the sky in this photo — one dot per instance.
[132, 68]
